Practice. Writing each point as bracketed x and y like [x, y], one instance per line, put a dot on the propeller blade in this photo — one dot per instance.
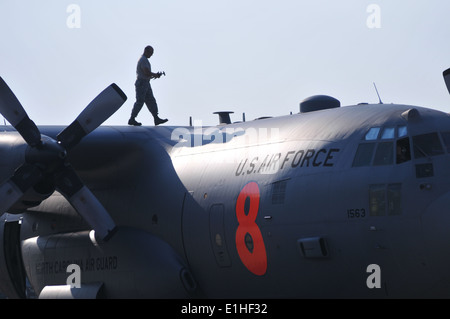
[447, 79]
[13, 189]
[98, 111]
[15, 114]
[85, 203]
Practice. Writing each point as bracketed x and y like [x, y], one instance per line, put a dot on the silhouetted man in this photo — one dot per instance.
[144, 93]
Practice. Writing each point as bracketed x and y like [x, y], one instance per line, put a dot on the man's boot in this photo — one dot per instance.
[159, 121]
[132, 121]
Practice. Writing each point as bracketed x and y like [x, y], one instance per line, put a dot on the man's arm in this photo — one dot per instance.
[156, 75]
[145, 69]
[152, 75]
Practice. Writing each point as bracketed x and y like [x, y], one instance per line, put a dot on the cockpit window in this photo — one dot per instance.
[446, 138]
[391, 144]
[384, 154]
[403, 150]
[402, 131]
[372, 135]
[364, 154]
[427, 145]
[384, 146]
[388, 133]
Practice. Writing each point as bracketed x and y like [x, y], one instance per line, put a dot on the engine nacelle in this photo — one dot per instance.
[133, 264]
[12, 271]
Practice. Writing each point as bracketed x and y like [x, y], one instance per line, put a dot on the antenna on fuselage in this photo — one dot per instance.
[379, 98]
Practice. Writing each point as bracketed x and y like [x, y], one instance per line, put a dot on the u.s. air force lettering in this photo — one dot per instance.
[271, 163]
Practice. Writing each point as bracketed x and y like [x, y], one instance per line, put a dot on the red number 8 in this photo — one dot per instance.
[256, 259]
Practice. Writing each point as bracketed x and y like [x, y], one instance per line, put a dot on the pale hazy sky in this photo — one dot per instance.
[255, 56]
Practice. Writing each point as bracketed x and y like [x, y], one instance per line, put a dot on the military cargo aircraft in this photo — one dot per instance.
[332, 202]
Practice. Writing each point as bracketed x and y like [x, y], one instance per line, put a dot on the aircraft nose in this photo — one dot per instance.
[436, 235]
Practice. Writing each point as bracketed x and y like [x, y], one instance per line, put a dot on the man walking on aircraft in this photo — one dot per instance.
[144, 93]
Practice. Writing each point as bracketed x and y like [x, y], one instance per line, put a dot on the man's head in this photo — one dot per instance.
[148, 51]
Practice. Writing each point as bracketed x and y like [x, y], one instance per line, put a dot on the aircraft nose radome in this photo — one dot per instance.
[436, 235]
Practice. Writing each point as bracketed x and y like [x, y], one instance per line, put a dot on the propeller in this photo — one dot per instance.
[446, 75]
[46, 160]
[14, 113]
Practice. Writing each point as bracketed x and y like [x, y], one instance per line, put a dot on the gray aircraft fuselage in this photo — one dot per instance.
[298, 206]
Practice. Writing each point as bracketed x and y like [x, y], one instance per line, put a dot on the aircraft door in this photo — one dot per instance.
[195, 229]
[205, 243]
[217, 232]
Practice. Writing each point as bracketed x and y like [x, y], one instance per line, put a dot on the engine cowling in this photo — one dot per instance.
[133, 264]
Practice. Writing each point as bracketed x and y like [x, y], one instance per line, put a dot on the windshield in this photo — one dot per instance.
[427, 145]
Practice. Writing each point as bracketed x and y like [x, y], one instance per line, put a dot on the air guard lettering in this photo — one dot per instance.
[89, 264]
[271, 163]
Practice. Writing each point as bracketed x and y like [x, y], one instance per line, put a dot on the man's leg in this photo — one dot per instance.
[141, 91]
[152, 106]
[150, 101]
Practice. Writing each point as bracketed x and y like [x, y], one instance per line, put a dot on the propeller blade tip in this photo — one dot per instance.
[119, 91]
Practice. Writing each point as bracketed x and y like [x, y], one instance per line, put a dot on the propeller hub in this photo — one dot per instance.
[48, 153]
